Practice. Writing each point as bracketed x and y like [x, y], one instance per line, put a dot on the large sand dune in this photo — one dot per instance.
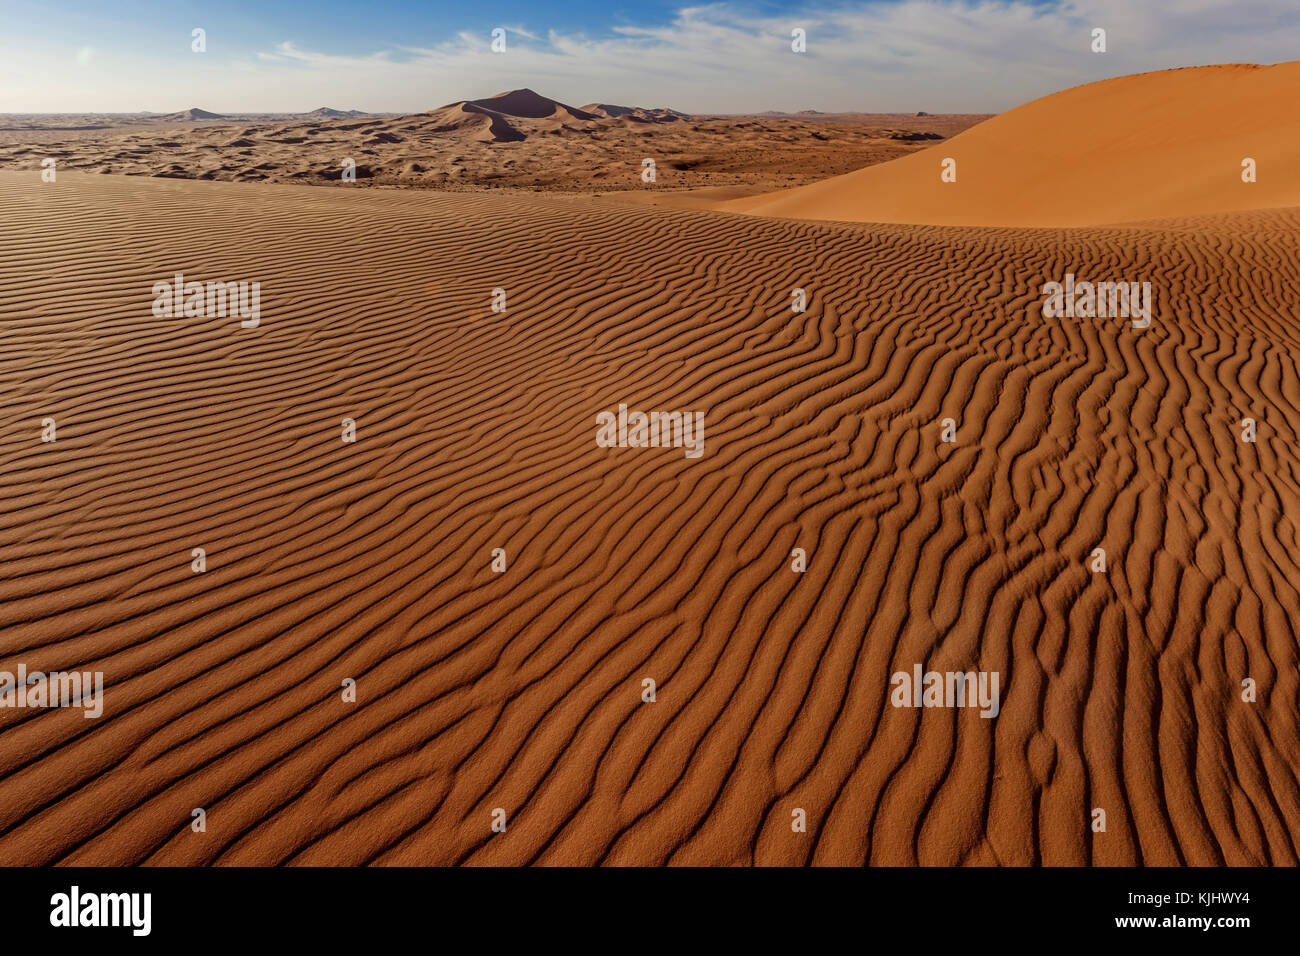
[497, 118]
[522, 690]
[1139, 147]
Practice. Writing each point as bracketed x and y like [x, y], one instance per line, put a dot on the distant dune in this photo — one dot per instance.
[516, 139]
[1149, 146]
[496, 118]
[638, 114]
[193, 114]
[326, 112]
[323, 112]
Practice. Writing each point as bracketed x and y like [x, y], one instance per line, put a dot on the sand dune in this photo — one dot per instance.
[328, 112]
[1150, 146]
[637, 114]
[522, 690]
[496, 119]
[192, 115]
[515, 140]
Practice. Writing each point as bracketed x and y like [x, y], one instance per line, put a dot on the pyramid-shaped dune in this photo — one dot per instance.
[194, 113]
[497, 118]
[1148, 146]
[528, 104]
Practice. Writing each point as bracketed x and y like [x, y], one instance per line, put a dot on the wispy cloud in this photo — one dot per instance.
[937, 55]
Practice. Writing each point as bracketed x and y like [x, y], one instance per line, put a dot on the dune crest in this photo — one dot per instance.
[191, 115]
[1147, 146]
[496, 117]
[328, 112]
[636, 114]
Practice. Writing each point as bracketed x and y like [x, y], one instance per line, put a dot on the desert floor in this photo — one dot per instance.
[504, 147]
[476, 430]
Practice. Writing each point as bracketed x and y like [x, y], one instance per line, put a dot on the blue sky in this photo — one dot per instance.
[331, 26]
[949, 55]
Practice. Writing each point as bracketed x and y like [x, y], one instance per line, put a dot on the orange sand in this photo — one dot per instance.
[522, 690]
[1140, 147]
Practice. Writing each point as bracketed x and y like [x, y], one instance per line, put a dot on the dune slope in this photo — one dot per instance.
[496, 118]
[522, 690]
[1149, 146]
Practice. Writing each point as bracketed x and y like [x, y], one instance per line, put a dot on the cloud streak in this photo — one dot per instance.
[937, 55]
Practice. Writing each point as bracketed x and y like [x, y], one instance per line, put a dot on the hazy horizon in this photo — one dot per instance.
[487, 96]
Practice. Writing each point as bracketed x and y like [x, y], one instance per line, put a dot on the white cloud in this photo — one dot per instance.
[937, 55]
